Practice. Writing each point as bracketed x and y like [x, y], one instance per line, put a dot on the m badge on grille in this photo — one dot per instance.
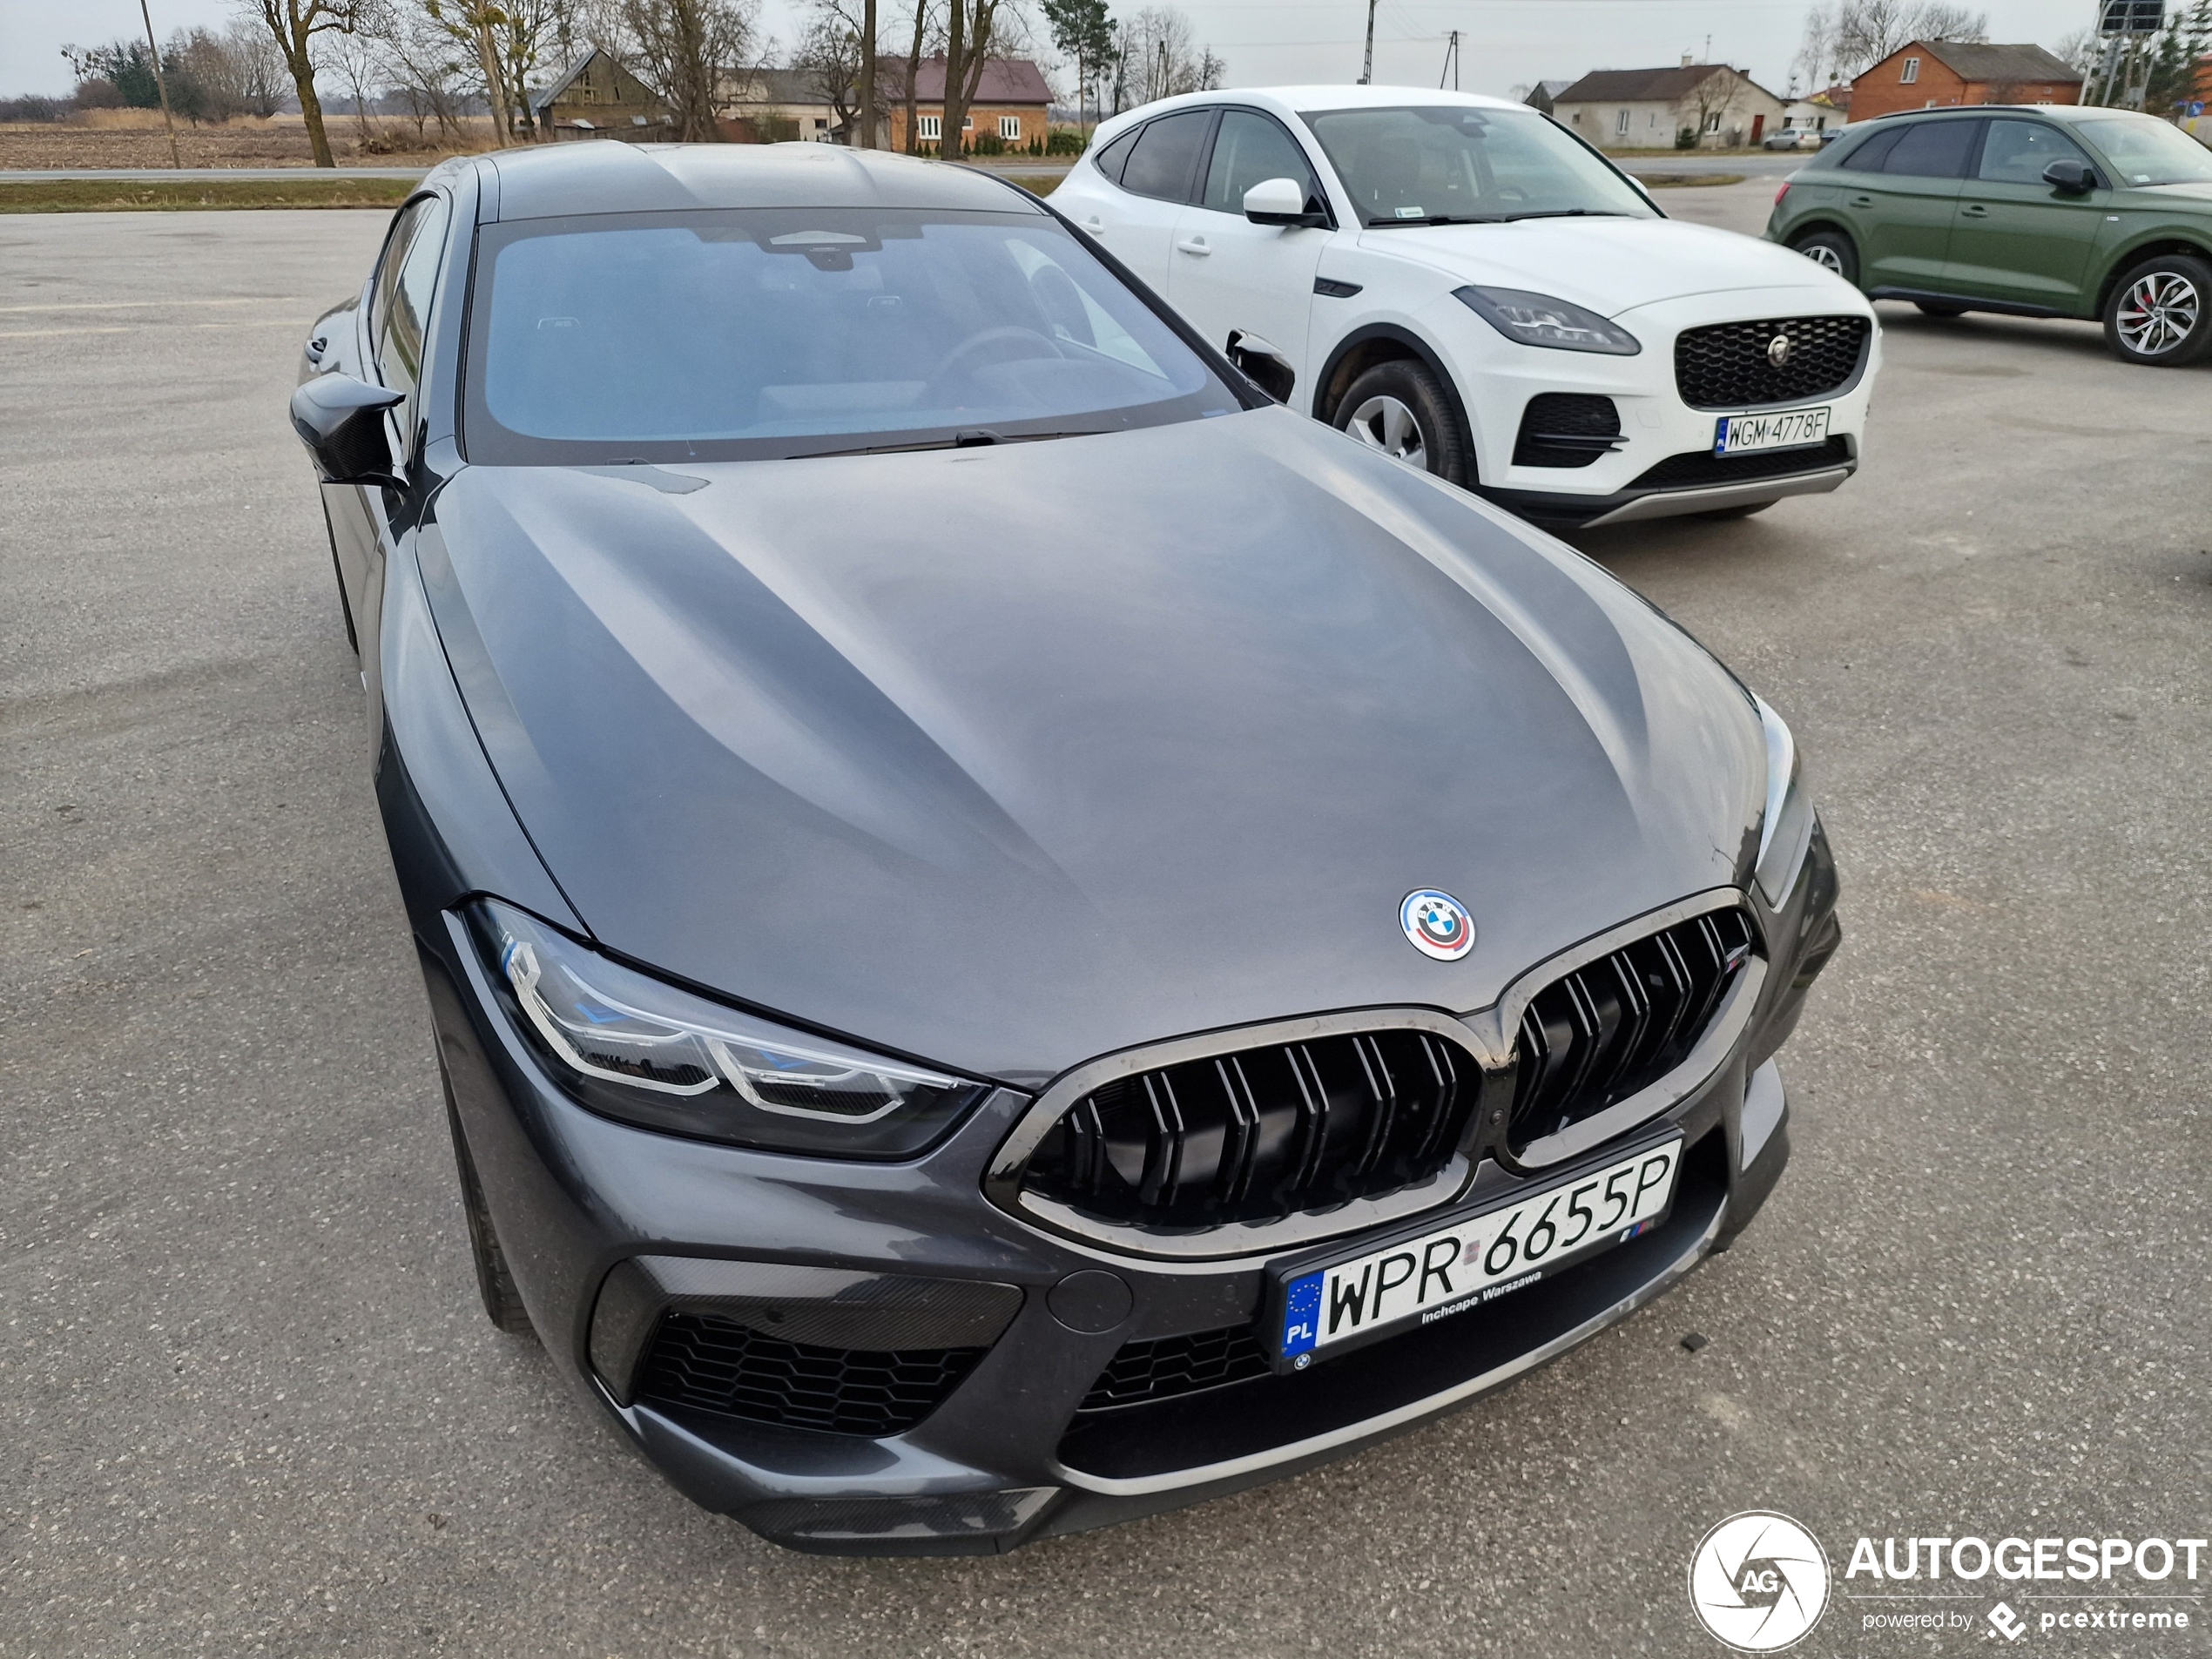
[1437, 924]
[1778, 350]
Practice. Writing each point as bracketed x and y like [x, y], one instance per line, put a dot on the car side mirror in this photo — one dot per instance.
[341, 421]
[1279, 201]
[2070, 176]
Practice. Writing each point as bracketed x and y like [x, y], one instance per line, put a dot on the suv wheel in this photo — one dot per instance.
[1398, 409]
[1831, 250]
[2160, 312]
[503, 1302]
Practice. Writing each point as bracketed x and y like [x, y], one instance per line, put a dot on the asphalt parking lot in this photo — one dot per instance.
[250, 1402]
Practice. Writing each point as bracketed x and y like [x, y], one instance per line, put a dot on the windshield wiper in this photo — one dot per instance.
[970, 438]
[1436, 218]
[1570, 213]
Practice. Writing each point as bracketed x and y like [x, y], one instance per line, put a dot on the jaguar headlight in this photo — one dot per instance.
[1785, 830]
[634, 1048]
[1539, 320]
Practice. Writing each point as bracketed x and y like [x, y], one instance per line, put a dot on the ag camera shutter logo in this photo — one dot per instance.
[1758, 1582]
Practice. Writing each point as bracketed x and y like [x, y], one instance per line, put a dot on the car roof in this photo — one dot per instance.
[2057, 111]
[1299, 100]
[607, 176]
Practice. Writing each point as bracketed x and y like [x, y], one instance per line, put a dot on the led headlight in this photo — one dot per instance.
[1786, 829]
[1539, 320]
[631, 1046]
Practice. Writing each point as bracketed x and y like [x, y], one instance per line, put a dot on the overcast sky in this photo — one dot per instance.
[1503, 43]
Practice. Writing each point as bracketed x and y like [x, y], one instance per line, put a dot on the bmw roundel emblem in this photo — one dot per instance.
[1437, 924]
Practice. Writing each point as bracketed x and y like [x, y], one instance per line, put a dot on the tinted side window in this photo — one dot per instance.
[1870, 153]
[402, 321]
[1934, 150]
[388, 273]
[1248, 150]
[2016, 151]
[1166, 155]
[1112, 157]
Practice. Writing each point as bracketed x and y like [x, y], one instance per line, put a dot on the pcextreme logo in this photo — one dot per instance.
[1758, 1582]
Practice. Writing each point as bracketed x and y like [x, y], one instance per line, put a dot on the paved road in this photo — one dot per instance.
[247, 1403]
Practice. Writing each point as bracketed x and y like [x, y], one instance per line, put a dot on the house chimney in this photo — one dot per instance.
[1685, 60]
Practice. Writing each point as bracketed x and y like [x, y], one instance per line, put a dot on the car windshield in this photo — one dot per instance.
[1454, 165]
[2145, 151]
[754, 335]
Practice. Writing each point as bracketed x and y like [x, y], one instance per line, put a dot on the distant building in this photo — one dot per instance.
[1544, 94]
[1934, 74]
[762, 105]
[1012, 102]
[1814, 114]
[598, 98]
[1647, 109]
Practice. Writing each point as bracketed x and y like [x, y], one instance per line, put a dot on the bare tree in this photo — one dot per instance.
[260, 66]
[1715, 98]
[829, 54]
[922, 37]
[683, 48]
[423, 64]
[294, 25]
[1815, 63]
[972, 30]
[359, 58]
[1159, 56]
[1866, 31]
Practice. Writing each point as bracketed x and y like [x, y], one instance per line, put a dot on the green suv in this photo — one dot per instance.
[2037, 211]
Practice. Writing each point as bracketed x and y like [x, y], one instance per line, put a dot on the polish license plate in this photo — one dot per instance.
[1736, 435]
[1453, 1266]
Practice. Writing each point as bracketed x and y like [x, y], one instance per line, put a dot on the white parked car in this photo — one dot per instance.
[1461, 281]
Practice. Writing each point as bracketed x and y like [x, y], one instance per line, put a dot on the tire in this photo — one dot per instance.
[1399, 408]
[1935, 308]
[2160, 314]
[503, 1302]
[345, 605]
[1742, 510]
[1832, 251]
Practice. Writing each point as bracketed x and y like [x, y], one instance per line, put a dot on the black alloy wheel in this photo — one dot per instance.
[1399, 408]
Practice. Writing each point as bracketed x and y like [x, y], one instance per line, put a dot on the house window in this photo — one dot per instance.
[1911, 73]
[932, 127]
[1010, 128]
[1621, 123]
[967, 124]
[1713, 121]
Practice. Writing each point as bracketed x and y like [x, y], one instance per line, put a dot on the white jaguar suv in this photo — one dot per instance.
[1462, 282]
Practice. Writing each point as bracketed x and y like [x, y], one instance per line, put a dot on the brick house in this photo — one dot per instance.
[1644, 109]
[1011, 103]
[1934, 74]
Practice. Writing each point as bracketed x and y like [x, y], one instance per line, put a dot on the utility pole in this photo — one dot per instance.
[161, 86]
[1451, 62]
[1368, 70]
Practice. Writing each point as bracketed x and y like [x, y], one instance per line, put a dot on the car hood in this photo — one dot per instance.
[1611, 265]
[1005, 757]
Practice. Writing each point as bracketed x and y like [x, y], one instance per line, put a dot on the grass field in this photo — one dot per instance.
[103, 196]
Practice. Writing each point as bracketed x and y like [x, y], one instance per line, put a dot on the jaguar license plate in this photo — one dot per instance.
[1452, 1266]
[1736, 435]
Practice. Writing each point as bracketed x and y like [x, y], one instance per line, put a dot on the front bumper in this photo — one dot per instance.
[1662, 464]
[1008, 1456]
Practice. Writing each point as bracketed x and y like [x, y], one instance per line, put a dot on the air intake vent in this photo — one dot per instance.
[1737, 365]
[1566, 429]
[1165, 1367]
[1262, 1134]
[711, 1364]
[1701, 466]
[1596, 1036]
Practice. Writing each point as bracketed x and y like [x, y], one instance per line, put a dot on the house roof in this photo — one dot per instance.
[559, 89]
[1005, 80]
[1644, 85]
[1987, 64]
[775, 86]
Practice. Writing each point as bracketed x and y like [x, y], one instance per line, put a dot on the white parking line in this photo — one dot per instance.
[138, 328]
[147, 305]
